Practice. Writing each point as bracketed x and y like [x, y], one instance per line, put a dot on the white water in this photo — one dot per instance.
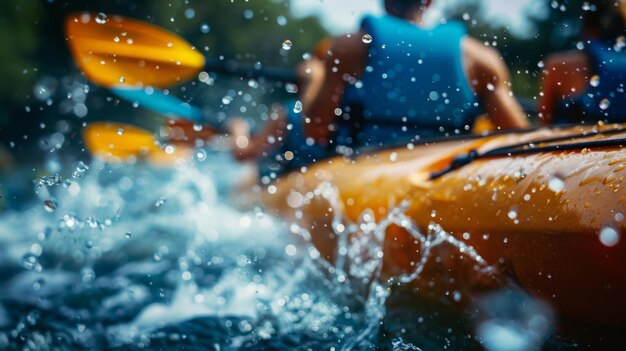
[145, 248]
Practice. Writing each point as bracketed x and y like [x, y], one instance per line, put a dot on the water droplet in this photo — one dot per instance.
[227, 99]
[120, 131]
[609, 236]
[204, 28]
[81, 168]
[169, 149]
[490, 87]
[556, 184]
[88, 275]
[42, 236]
[512, 213]
[366, 38]
[204, 77]
[604, 104]
[290, 250]
[541, 64]
[160, 202]
[101, 18]
[49, 181]
[128, 235]
[200, 155]
[620, 43]
[594, 81]
[45, 88]
[287, 44]
[39, 283]
[190, 13]
[91, 222]
[297, 107]
[291, 88]
[122, 79]
[50, 205]
[116, 39]
[187, 276]
[30, 261]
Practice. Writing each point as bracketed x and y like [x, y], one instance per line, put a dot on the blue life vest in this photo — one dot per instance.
[413, 86]
[605, 97]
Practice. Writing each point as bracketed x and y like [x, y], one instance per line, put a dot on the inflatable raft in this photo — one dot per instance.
[544, 208]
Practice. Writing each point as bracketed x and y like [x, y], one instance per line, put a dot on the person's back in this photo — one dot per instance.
[407, 81]
[586, 86]
[413, 85]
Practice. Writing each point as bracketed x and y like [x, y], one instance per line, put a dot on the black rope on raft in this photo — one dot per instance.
[528, 148]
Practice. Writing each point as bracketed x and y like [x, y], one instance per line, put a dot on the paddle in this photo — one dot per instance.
[131, 58]
[122, 143]
[116, 51]
[156, 100]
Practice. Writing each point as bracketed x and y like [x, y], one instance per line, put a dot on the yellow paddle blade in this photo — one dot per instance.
[114, 51]
[125, 143]
[116, 142]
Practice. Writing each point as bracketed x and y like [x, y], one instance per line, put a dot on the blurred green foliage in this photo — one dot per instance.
[245, 31]
[19, 58]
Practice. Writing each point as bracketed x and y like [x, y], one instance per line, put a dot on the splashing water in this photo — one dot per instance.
[133, 256]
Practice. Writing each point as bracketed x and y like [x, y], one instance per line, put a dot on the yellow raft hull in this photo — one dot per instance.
[546, 237]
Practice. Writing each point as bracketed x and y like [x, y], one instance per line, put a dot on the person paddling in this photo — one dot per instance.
[588, 85]
[281, 144]
[396, 79]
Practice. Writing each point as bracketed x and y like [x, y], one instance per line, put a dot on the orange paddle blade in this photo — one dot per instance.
[121, 143]
[117, 142]
[114, 51]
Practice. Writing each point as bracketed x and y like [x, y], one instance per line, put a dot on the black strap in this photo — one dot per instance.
[530, 148]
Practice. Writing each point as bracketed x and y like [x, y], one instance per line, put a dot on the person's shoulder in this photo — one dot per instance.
[486, 60]
[476, 50]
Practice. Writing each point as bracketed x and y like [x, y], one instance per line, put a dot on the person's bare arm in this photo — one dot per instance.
[490, 80]
[347, 56]
[311, 75]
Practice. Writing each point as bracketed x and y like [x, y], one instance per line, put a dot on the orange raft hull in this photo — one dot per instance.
[546, 237]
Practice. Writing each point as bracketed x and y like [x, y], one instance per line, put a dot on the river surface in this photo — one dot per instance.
[134, 257]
